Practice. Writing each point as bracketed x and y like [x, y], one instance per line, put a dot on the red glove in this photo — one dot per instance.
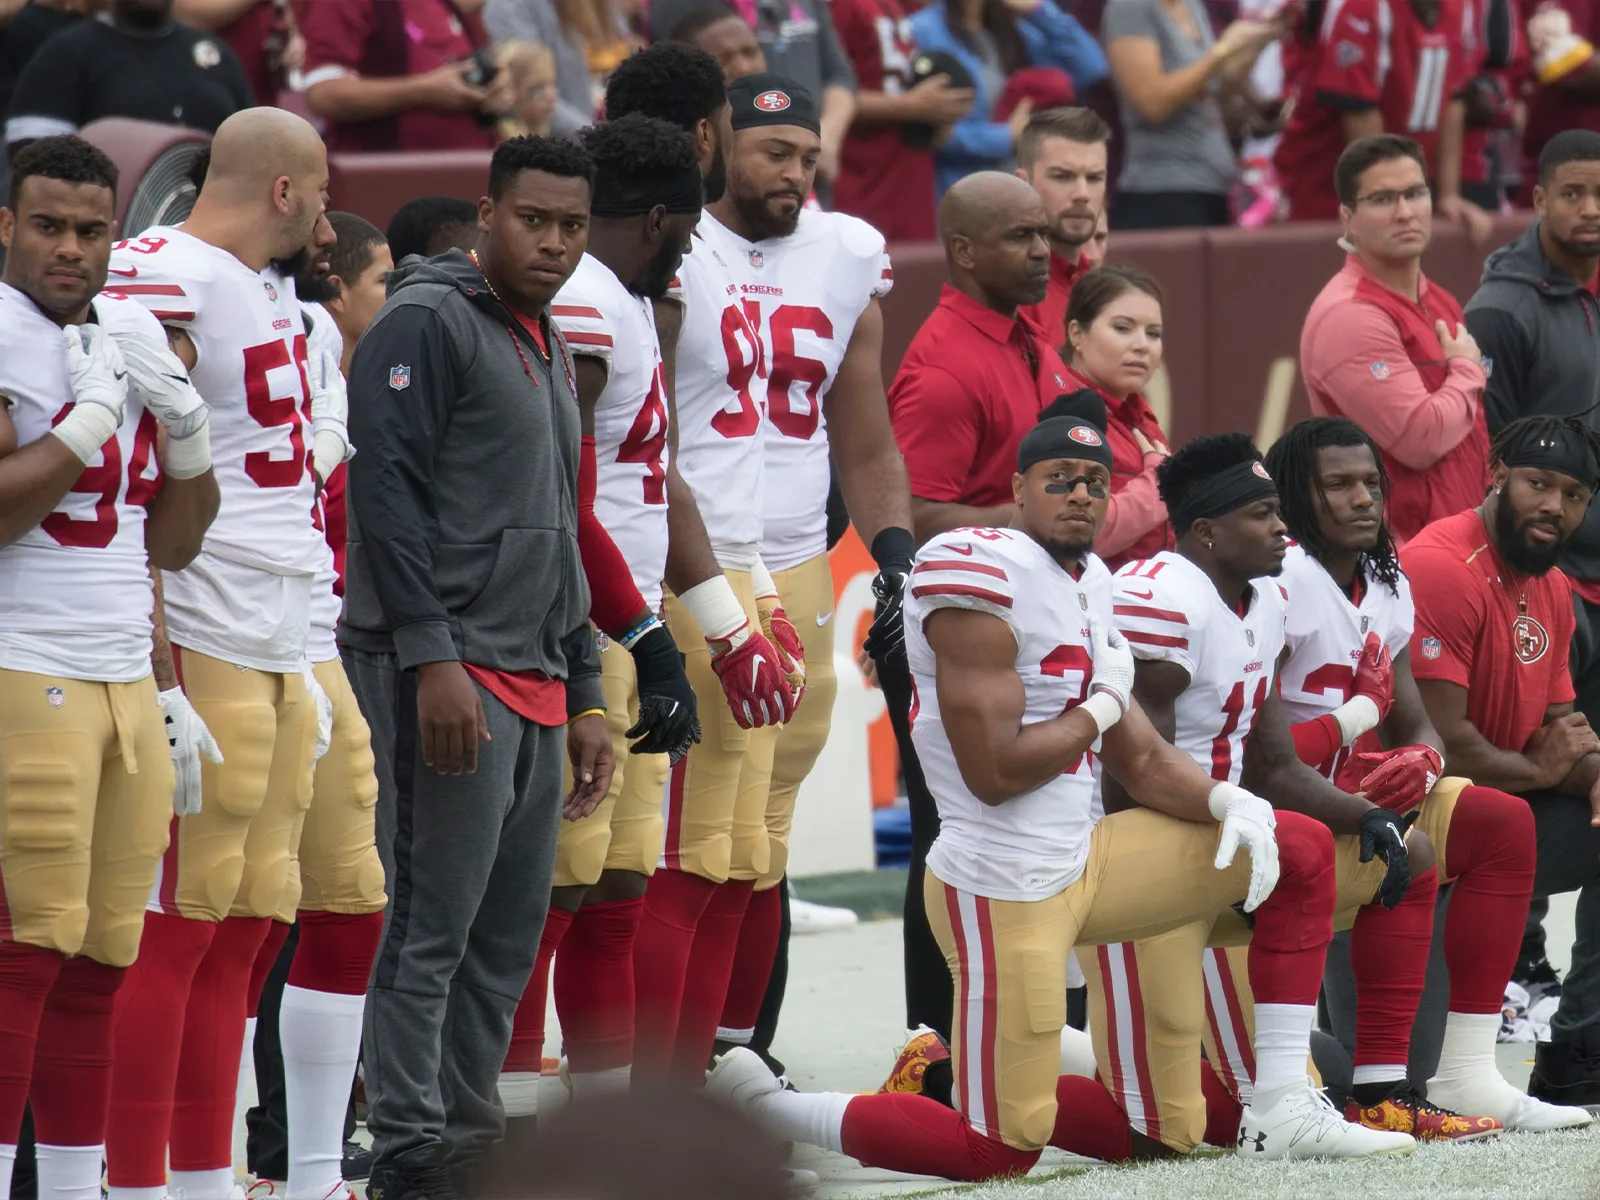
[1398, 780]
[750, 670]
[791, 654]
[1375, 675]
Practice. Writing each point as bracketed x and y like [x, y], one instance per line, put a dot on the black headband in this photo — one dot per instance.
[1062, 437]
[1559, 449]
[680, 193]
[1241, 484]
[768, 99]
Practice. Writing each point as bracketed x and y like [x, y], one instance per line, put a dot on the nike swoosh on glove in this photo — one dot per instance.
[886, 639]
[1398, 779]
[751, 675]
[1375, 675]
[163, 382]
[1248, 821]
[187, 738]
[780, 631]
[1383, 834]
[669, 722]
[324, 711]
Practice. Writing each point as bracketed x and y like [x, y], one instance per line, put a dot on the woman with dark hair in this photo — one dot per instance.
[1113, 347]
[993, 39]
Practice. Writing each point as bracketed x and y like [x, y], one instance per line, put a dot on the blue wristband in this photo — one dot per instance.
[631, 638]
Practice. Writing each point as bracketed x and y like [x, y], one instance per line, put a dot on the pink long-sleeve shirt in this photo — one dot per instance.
[1373, 355]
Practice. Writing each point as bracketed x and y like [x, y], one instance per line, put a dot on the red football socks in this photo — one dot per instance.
[1490, 852]
[27, 973]
[752, 963]
[271, 947]
[1223, 1111]
[594, 985]
[1294, 925]
[898, 1131]
[1089, 1122]
[1389, 959]
[705, 987]
[147, 1032]
[213, 1037]
[526, 1052]
[673, 904]
[335, 952]
[71, 1094]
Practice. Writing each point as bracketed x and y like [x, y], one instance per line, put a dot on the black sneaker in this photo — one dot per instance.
[1563, 1074]
[1538, 978]
[356, 1164]
[418, 1174]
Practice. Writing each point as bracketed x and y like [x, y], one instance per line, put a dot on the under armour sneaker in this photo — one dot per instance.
[1403, 1111]
[923, 1048]
[418, 1174]
[1301, 1123]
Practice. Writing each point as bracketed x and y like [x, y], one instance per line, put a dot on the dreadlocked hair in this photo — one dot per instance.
[1292, 463]
[1541, 426]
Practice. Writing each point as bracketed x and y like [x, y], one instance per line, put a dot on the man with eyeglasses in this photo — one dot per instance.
[1388, 349]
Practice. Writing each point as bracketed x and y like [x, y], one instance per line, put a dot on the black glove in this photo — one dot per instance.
[1383, 833]
[668, 723]
[886, 640]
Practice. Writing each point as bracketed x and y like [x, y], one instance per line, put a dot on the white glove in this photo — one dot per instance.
[330, 412]
[158, 375]
[99, 381]
[1247, 820]
[188, 738]
[324, 711]
[1111, 686]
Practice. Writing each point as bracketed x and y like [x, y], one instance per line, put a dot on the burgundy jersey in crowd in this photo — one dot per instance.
[383, 39]
[1369, 52]
[882, 180]
[1551, 108]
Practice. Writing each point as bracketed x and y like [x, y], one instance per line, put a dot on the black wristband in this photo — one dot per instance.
[655, 651]
[893, 549]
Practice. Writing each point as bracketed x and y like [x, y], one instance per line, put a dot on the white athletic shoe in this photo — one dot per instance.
[1493, 1096]
[805, 917]
[740, 1079]
[1303, 1124]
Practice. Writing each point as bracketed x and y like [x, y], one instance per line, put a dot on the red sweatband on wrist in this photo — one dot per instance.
[1315, 742]
[615, 604]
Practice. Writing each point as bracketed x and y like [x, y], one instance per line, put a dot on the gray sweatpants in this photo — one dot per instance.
[469, 859]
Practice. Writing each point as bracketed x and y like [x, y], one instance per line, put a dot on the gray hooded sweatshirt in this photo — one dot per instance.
[1539, 331]
[463, 498]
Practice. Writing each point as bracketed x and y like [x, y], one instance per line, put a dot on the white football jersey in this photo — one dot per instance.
[75, 594]
[1033, 845]
[1326, 632]
[803, 294]
[246, 598]
[323, 337]
[602, 319]
[1170, 611]
[721, 394]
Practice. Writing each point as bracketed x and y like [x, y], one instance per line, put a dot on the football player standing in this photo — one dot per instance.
[105, 472]
[238, 617]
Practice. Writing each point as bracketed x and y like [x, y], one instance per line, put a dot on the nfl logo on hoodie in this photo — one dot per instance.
[400, 377]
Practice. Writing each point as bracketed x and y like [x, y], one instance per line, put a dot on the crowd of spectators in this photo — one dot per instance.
[1219, 111]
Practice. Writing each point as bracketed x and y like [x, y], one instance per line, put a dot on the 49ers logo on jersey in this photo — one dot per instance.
[772, 101]
[1529, 639]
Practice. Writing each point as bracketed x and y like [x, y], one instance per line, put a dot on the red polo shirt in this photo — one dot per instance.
[971, 384]
[1050, 314]
[382, 41]
[1500, 635]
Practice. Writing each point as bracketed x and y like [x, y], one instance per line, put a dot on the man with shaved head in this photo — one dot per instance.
[238, 619]
[971, 384]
